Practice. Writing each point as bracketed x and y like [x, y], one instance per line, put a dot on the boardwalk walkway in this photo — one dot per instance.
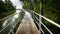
[27, 27]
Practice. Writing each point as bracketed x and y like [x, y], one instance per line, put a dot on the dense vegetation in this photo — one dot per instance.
[6, 9]
[51, 10]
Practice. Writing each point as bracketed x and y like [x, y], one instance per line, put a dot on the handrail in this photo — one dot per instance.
[9, 23]
[47, 28]
[44, 26]
[38, 24]
[9, 31]
[14, 26]
[5, 27]
[10, 15]
[54, 23]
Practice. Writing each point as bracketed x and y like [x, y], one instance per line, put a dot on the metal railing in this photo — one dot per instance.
[8, 17]
[52, 22]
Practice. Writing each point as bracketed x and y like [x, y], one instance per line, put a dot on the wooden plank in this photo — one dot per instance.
[27, 27]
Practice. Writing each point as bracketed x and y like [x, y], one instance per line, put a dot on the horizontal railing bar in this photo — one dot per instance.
[38, 25]
[14, 26]
[8, 24]
[16, 23]
[42, 31]
[54, 23]
[9, 31]
[45, 26]
[5, 27]
[9, 15]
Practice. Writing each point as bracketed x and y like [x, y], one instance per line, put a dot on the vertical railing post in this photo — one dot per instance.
[41, 13]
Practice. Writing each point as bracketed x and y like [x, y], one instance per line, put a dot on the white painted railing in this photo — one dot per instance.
[52, 22]
[8, 17]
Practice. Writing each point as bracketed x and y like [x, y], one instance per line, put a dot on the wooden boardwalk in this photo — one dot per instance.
[27, 27]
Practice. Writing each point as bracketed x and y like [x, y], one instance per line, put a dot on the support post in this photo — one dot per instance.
[41, 13]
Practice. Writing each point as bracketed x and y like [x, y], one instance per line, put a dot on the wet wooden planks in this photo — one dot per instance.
[27, 27]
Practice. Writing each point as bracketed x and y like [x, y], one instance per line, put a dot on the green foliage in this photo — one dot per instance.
[51, 11]
[33, 5]
[26, 5]
[6, 9]
[56, 6]
[47, 12]
[37, 6]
